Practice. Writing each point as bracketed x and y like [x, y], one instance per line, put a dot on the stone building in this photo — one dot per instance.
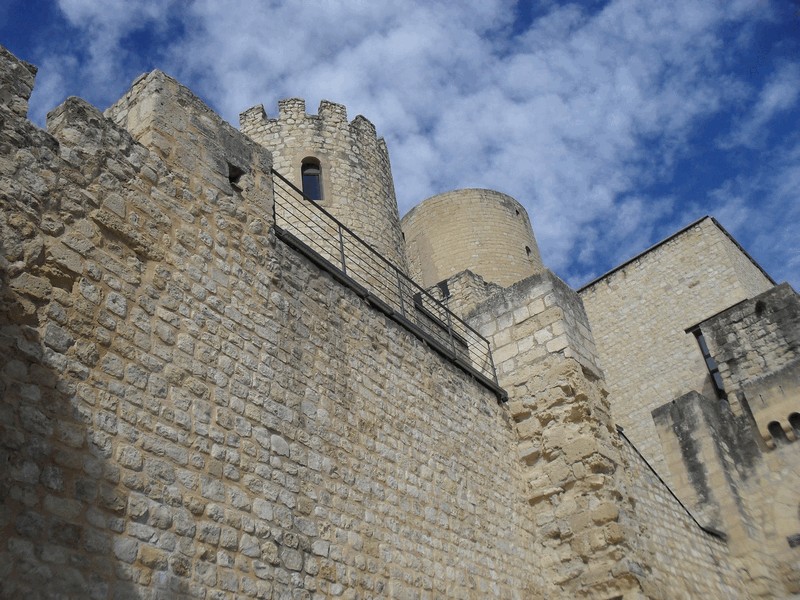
[215, 387]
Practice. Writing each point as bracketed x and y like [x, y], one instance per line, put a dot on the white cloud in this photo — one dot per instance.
[573, 116]
[762, 210]
[780, 93]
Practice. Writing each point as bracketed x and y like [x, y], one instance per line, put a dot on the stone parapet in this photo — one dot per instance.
[756, 346]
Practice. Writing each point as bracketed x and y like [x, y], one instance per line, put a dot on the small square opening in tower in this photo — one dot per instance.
[234, 175]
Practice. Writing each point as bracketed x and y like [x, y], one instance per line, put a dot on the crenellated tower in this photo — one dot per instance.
[342, 165]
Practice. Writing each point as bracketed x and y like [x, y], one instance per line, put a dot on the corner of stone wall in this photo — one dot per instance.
[541, 315]
[252, 118]
[384, 150]
[291, 108]
[99, 235]
[710, 454]
[171, 121]
[566, 440]
[463, 292]
[756, 345]
[364, 131]
[16, 83]
[332, 112]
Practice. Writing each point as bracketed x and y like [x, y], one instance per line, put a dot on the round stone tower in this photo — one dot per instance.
[484, 231]
[342, 165]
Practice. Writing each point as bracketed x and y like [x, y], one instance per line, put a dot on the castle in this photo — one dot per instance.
[230, 370]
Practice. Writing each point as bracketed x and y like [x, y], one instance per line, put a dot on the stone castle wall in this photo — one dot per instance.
[533, 319]
[484, 231]
[608, 527]
[639, 314]
[776, 494]
[576, 478]
[767, 329]
[679, 559]
[191, 409]
[357, 184]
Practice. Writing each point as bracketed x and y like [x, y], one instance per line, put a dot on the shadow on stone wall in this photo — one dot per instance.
[59, 508]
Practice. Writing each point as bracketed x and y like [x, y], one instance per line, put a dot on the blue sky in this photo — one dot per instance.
[615, 123]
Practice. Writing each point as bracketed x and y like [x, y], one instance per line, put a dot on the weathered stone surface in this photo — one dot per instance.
[191, 408]
[640, 313]
[356, 177]
[481, 230]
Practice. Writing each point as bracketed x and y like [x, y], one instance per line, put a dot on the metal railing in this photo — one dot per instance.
[310, 228]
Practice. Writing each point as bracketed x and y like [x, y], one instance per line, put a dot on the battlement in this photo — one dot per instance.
[355, 179]
[292, 112]
[292, 108]
[16, 84]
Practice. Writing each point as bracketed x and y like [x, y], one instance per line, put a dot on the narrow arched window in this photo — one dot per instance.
[794, 421]
[777, 432]
[312, 178]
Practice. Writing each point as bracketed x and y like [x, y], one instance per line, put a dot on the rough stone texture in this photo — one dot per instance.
[16, 84]
[724, 458]
[532, 319]
[756, 345]
[567, 443]
[734, 485]
[711, 454]
[357, 184]
[191, 409]
[679, 559]
[484, 231]
[465, 291]
[639, 314]
[717, 450]
[776, 505]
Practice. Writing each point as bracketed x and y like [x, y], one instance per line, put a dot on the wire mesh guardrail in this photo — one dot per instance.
[298, 219]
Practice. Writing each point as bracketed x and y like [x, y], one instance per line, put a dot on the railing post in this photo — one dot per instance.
[341, 249]
[491, 362]
[274, 200]
[400, 292]
[450, 330]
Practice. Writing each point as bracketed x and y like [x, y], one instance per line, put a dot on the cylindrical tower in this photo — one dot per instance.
[343, 166]
[484, 231]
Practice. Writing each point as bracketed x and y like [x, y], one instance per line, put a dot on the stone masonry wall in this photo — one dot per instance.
[775, 494]
[190, 409]
[639, 314]
[713, 458]
[534, 318]
[357, 184]
[680, 560]
[606, 526]
[757, 336]
[757, 347]
[576, 480]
